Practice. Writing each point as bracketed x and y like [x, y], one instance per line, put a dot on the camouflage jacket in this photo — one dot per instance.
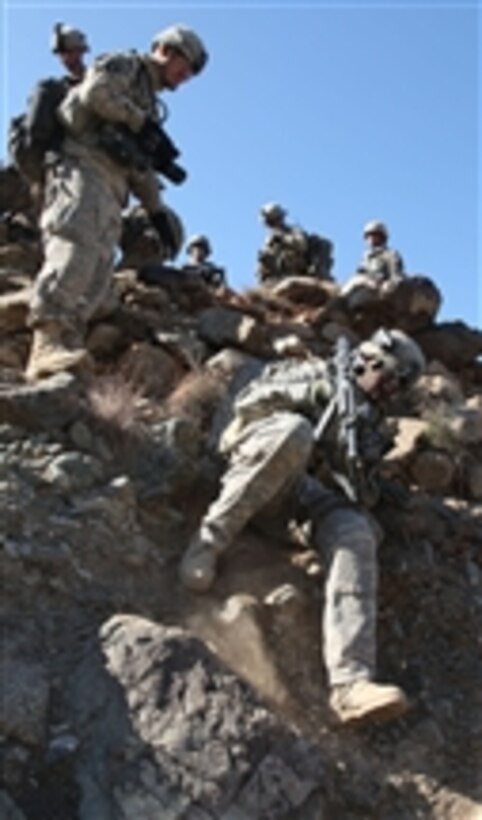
[306, 387]
[290, 386]
[117, 89]
[284, 254]
[294, 252]
[383, 265]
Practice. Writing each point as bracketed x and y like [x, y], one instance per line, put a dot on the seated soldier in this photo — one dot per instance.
[291, 251]
[268, 448]
[140, 242]
[379, 271]
[198, 249]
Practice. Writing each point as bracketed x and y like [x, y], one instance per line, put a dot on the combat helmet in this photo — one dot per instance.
[66, 38]
[199, 240]
[187, 42]
[375, 226]
[272, 212]
[394, 352]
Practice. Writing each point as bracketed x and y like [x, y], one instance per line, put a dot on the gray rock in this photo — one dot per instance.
[223, 327]
[49, 404]
[73, 471]
[24, 693]
[8, 809]
[195, 741]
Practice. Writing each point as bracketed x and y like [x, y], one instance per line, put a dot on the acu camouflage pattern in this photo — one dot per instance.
[290, 251]
[86, 190]
[379, 272]
[382, 265]
[268, 445]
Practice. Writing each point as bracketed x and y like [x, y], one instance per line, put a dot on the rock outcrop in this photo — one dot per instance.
[124, 697]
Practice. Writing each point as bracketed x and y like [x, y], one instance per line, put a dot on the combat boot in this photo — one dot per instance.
[363, 700]
[54, 350]
[199, 565]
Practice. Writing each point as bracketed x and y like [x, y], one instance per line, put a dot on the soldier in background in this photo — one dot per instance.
[70, 45]
[110, 118]
[291, 251]
[140, 242]
[198, 249]
[36, 134]
[380, 270]
[267, 447]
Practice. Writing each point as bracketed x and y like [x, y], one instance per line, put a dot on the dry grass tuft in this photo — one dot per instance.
[115, 401]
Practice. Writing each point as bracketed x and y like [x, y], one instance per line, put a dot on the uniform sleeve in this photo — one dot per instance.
[395, 265]
[105, 91]
[297, 387]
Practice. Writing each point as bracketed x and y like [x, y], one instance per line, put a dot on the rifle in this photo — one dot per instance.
[211, 274]
[123, 146]
[343, 405]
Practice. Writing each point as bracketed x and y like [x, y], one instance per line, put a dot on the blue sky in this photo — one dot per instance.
[342, 112]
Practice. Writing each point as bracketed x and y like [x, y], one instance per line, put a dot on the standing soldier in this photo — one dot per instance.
[33, 134]
[267, 447]
[113, 145]
[291, 251]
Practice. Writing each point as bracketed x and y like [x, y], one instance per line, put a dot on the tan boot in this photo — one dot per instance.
[363, 701]
[53, 351]
[198, 565]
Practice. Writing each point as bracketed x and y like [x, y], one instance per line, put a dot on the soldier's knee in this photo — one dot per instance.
[298, 439]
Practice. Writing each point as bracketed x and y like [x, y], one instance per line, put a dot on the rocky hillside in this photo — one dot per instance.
[124, 697]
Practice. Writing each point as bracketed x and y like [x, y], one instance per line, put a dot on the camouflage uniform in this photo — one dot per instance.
[268, 445]
[382, 265]
[380, 270]
[290, 251]
[198, 248]
[86, 190]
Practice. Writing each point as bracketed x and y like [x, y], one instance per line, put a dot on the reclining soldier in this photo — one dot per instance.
[111, 119]
[268, 447]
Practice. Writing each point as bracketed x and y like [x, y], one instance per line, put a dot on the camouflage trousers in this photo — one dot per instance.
[81, 225]
[266, 472]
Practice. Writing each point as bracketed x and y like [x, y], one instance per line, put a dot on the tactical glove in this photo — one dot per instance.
[164, 229]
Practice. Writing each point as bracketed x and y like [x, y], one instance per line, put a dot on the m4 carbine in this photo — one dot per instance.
[150, 148]
[358, 438]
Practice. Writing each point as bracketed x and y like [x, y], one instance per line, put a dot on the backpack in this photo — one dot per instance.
[320, 256]
[32, 134]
